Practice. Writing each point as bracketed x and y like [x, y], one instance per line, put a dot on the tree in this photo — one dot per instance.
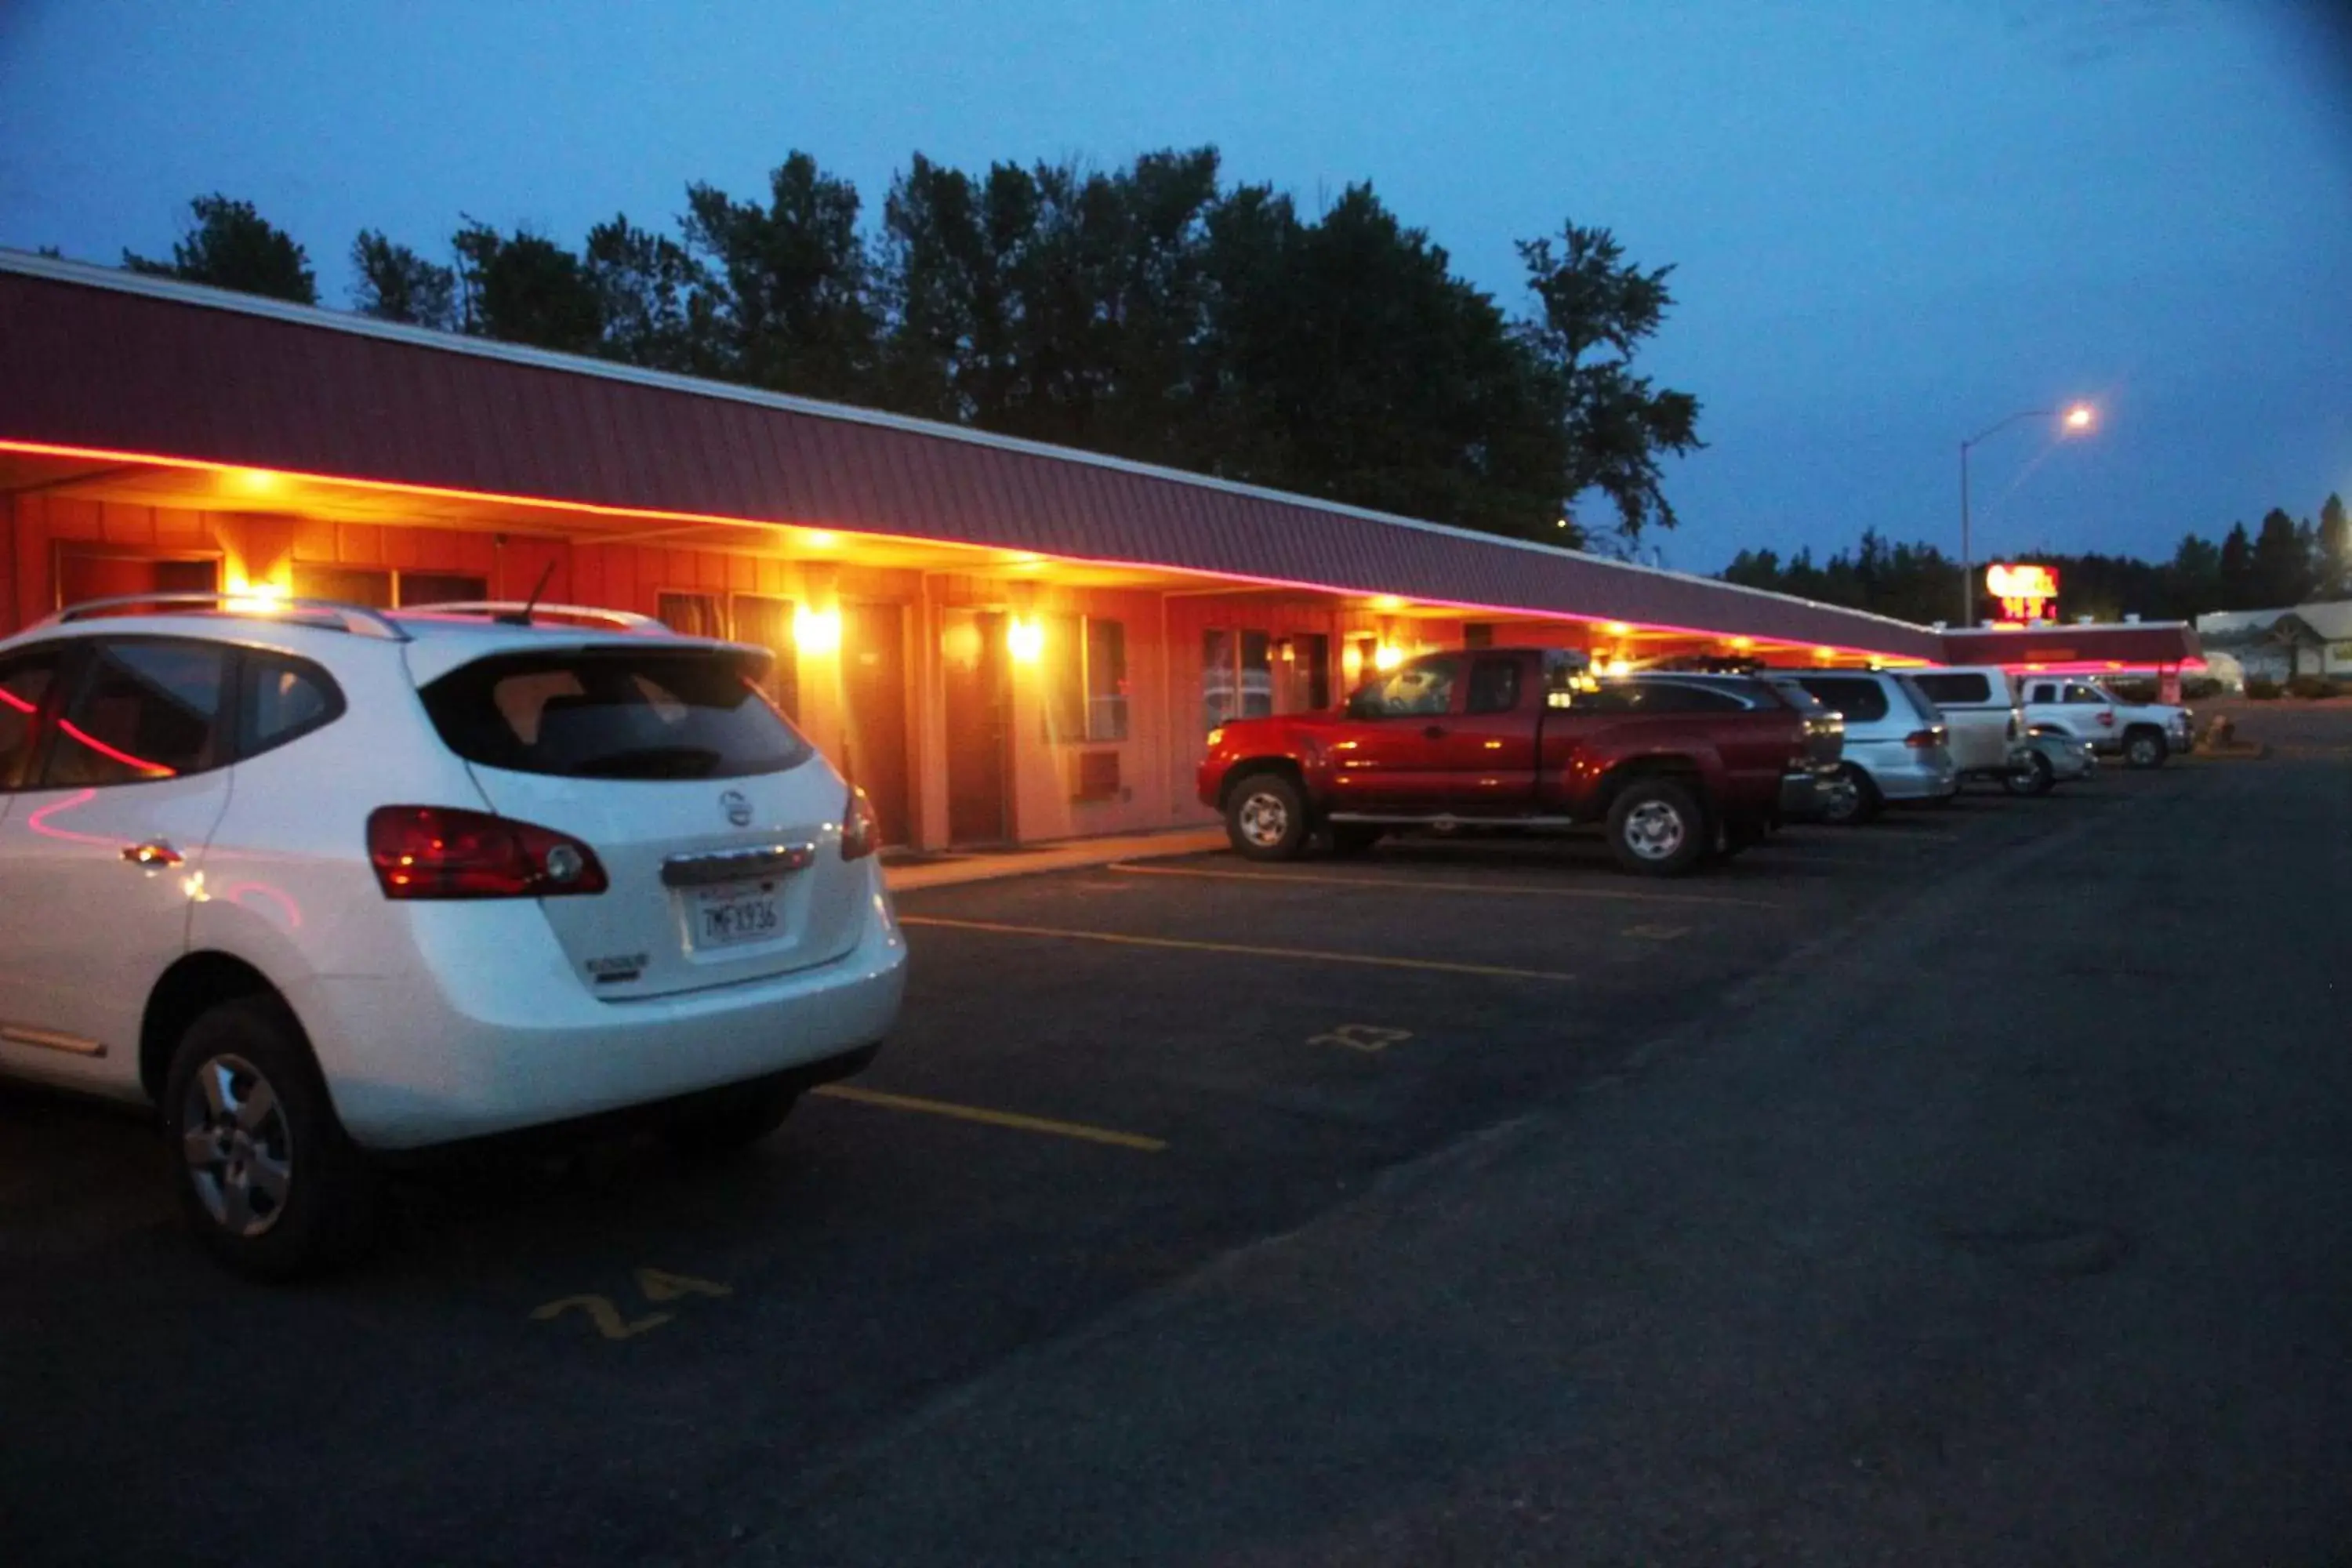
[231, 246]
[792, 291]
[654, 299]
[395, 284]
[2196, 577]
[2238, 592]
[1596, 311]
[525, 289]
[2281, 562]
[2335, 547]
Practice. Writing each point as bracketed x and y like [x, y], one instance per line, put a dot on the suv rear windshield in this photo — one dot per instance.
[614, 713]
[1959, 689]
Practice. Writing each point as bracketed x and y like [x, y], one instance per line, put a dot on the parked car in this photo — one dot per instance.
[1895, 747]
[1675, 768]
[2143, 733]
[325, 884]
[1981, 714]
[2046, 758]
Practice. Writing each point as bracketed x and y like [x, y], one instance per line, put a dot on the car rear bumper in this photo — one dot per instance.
[1922, 776]
[414, 1060]
[1802, 795]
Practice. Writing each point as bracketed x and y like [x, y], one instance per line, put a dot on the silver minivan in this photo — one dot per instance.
[1896, 745]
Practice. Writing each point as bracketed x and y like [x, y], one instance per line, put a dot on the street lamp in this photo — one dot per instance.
[2076, 420]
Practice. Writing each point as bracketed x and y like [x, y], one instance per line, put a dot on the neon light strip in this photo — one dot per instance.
[712, 519]
[19, 703]
[102, 749]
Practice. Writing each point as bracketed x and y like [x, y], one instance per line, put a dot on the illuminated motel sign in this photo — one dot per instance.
[2027, 594]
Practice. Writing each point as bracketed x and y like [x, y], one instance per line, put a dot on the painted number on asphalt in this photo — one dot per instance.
[1362, 1038]
[654, 1284]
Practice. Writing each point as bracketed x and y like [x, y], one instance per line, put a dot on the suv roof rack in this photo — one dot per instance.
[524, 612]
[357, 619]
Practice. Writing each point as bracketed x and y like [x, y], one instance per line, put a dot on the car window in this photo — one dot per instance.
[1859, 698]
[614, 713]
[1674, 697]
[2078, 692]
[1494, 686]
[1421, 690]
[1955, 688]
[142, 710]
[24, 682]
[1921, 703]
[2044, 691]
[282, 700]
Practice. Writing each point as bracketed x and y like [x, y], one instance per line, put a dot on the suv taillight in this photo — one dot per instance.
[861, 831]
[442, 852]
[1921, 740]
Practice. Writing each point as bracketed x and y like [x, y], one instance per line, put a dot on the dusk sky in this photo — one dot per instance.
[1893, 221]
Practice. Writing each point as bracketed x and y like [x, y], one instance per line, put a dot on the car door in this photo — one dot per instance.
[103, 850]
[1392, 756]
[1490, 746]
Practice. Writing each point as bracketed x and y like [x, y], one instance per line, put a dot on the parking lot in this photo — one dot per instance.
[1906, 1185]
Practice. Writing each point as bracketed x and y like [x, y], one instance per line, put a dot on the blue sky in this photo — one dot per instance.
[1894, 221]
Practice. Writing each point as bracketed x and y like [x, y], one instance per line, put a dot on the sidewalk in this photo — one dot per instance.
[1068, 854]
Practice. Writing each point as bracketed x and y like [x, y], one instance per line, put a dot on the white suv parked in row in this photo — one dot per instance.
[324, 883]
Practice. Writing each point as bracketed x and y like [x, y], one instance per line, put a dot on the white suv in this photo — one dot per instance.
[322, 884]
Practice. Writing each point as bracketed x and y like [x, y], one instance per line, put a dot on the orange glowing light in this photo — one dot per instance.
[2027, 592]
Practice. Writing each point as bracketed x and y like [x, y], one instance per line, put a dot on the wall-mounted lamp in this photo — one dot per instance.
[816, 631]
[1025, 638]
[1388, 656]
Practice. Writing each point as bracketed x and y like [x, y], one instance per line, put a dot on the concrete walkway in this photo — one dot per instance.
[1068, 854]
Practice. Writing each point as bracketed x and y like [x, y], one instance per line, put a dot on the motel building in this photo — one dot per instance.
[1003, 642]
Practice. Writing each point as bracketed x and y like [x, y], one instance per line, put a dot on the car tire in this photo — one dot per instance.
[268, 1180]
[728, 1121]
[1350, 839]
[1266, 817]
[2146, 749]
[1852, 799]
[1657, 830]
[2035, 776]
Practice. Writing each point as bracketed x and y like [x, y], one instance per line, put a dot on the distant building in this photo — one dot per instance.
[2279, 644]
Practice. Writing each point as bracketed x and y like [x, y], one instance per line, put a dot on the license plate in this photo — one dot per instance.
[737, 914]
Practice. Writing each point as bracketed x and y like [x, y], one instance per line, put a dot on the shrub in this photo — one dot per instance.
[2261, 688]
[2198, 688]
[2311, 686]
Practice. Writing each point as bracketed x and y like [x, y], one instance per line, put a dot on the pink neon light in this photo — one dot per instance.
[102, 749]
[715, 519]
[19, 703]
[40, 821]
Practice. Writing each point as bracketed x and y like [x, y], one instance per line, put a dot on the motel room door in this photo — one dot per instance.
[979, 724]
[874, 711]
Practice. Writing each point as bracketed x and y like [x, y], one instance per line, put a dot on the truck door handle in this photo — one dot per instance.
[1434, 733]
[155, 854]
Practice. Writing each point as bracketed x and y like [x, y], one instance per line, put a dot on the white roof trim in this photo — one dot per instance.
[91, 275]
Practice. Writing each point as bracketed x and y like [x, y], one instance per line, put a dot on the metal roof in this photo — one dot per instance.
[99, 360]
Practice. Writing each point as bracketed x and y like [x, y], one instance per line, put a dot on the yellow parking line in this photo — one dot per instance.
[1129, 868]
[1311, 954]
[1012, 1119]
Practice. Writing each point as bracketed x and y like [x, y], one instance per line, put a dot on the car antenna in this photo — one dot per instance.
[522, 618]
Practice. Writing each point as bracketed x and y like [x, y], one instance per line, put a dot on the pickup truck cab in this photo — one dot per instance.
[1678, 768]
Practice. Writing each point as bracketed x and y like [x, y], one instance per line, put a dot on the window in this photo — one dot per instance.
[1858, 697]
[442, 588]
[1237, 675]
[1494, 686]
[1303, 673]
[283, 698]
[2078, 692]
[2045, 691]
[1085, 678]
[1677, 697]
[1921, 703]
[24, 686]
[1958, 690]
[1423, 689]
[653, 712]
[768, 623]
[343, 584]
[689, 614]
[143, 710]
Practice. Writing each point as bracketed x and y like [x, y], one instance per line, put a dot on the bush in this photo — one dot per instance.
[2261, 688]
[2198, 688]
[2311, 686]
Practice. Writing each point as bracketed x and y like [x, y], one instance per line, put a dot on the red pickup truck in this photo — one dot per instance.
[1678, 768]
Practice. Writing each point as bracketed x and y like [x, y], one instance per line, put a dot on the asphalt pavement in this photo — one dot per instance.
[1974, 1187]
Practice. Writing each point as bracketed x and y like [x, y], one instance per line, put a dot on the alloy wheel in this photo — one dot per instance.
[239, 1150]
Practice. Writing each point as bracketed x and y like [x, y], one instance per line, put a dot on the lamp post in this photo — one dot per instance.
[2077, 420]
